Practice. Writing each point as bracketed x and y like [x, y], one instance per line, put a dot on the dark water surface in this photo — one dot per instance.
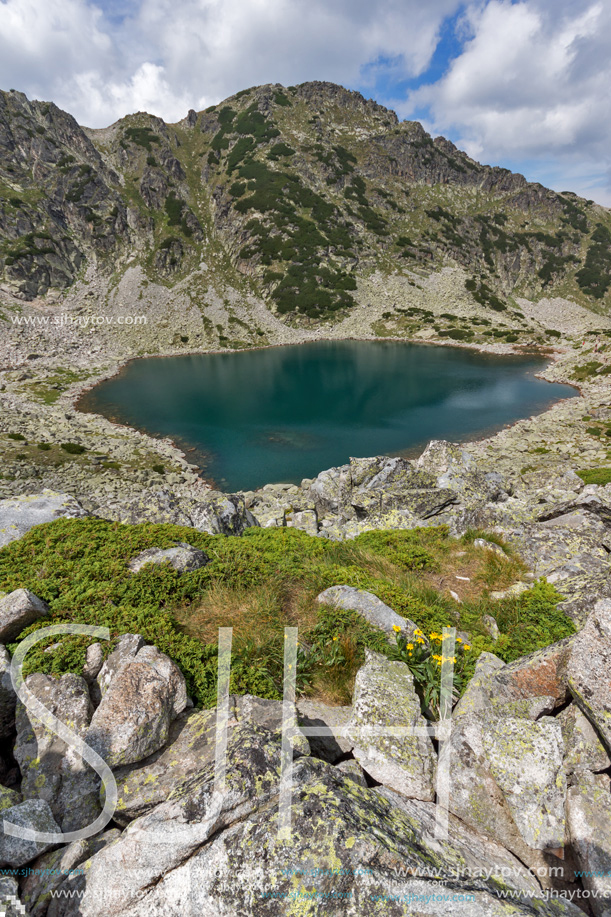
[285, 413]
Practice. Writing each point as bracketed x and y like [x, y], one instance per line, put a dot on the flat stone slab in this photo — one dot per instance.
[369, 606]
[19, 514]
[183, 557]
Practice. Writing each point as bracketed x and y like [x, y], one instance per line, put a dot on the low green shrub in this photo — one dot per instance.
[73, 448]
[600, 476]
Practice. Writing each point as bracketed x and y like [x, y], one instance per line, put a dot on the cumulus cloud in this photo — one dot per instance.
[531, 84]
[101, 63]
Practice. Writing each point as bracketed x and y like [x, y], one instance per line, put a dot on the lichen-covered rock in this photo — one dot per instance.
[525, 760]
[184, 558]
[35, 815]
[371, 489]
[19, 514]
[588, 670]
[583, 748]
[369, 606]
[353, 770]
[9, 798]
[589, 824]
[8, 698]
[18, 610]
[505, 779]
[133, 718]
[191, 746]
[384, 697]
[50, 769]
[352, 850]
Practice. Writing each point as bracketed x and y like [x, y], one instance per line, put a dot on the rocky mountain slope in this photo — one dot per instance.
[295, 195]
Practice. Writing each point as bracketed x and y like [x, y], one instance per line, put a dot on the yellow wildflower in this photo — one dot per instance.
[420, 641]
[410, 646]
[418, 633]
[459, 639]
[467, 647]
[435, 636]
[396, 628]
[446, 636]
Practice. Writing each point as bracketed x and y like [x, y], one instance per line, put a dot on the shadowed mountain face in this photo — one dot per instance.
[302, 190]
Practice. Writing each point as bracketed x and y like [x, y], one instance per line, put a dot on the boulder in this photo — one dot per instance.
[184, 558]
[35, 815]
[8, 698]
[505, 779]
[133, 718]
[221, 514]
[378, 489]
[52, 770]
[589, 825]
[384, 696]
[530, 686]
[369, 606]
[588, 670]
[19, 514]
[18, 610]
[124, 653]
[352, 850]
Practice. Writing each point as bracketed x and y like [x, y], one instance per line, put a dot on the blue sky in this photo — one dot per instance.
[518, 83]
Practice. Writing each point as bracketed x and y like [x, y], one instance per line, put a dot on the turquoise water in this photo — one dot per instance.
[285, 413]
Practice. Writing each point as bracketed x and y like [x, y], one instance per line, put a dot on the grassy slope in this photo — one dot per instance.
[260, 583]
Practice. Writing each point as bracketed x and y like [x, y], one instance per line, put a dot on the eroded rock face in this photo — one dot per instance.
[20, 514]
[588, 670]
[18, 610]
[51, 770]
[51, 869]
[384, 696]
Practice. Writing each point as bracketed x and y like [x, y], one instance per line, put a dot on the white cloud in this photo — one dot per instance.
[168, 56]
[532, 83]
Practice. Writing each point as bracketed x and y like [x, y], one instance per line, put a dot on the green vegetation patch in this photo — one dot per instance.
[258, 584]
[595, 276]
[600, 476]
[142, 136]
